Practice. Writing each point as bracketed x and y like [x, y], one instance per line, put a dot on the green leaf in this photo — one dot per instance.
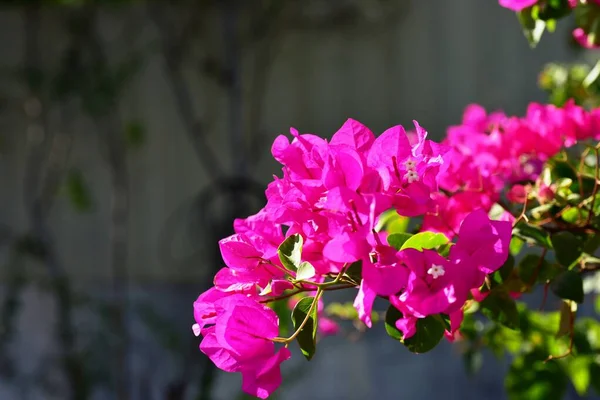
[307, 338]
[305, 271]
[285, 319]
[397, 240]
[529, 378]
[533, 234]
[392, 222]
[533, 269]
[267, 289]
[498, 306]
[574, 215]
[532, 28]
[430, 331]
[505, 271]
[568, 285]
[425, 240]
[516, 245]
[354, 271]
[342, 310]
[290, 252]
[597, 305]
[592, 244]
[391, 316]
[567, 246]
[578, 369]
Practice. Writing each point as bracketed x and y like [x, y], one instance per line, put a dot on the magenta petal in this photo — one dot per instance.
[266, 377]
[239, 253]
[278, 286]
[221, 357]
[392, 143]
[517, 5]
[353, 134]
[346, 248]
[364, 303]
[385, 280]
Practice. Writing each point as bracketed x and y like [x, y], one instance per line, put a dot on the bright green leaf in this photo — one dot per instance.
[567, 246]
[397, 240]
[307, 338]
[391, 316]
[392, 222]
[305, 271]
[425, 240]
[430, 331]
[342, 310]
[532, 28]
[498, 306]
[568, 285]
[516, 245]
[290, 252]
[578, 369]
[573, 215]
[529, 378]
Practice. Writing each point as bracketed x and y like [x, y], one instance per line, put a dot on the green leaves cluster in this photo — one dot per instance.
[541, 17]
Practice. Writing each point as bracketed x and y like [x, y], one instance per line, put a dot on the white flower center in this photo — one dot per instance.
[410, 164]
[411, 176]
[436, 271]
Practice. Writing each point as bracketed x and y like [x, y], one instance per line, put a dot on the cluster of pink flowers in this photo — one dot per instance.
[585, 35]
[491, 152]
[332, 194]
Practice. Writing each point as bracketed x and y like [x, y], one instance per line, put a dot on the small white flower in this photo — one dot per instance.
[196, 329]
[411, 176]
[410, 164]
[436, 271]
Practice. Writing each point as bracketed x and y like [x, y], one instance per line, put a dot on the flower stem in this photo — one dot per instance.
[304, 322]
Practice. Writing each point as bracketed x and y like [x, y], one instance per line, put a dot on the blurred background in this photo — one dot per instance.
[132, 134]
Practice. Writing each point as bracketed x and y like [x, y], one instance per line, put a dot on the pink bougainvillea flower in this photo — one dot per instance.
[485, 242]
[517, 194]
[328, 327]
[355, 135]
[264, 376]
[364, 303]
[240, 341]
[517, 5]
[435, 285]
[204, 309]
[239, 253]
